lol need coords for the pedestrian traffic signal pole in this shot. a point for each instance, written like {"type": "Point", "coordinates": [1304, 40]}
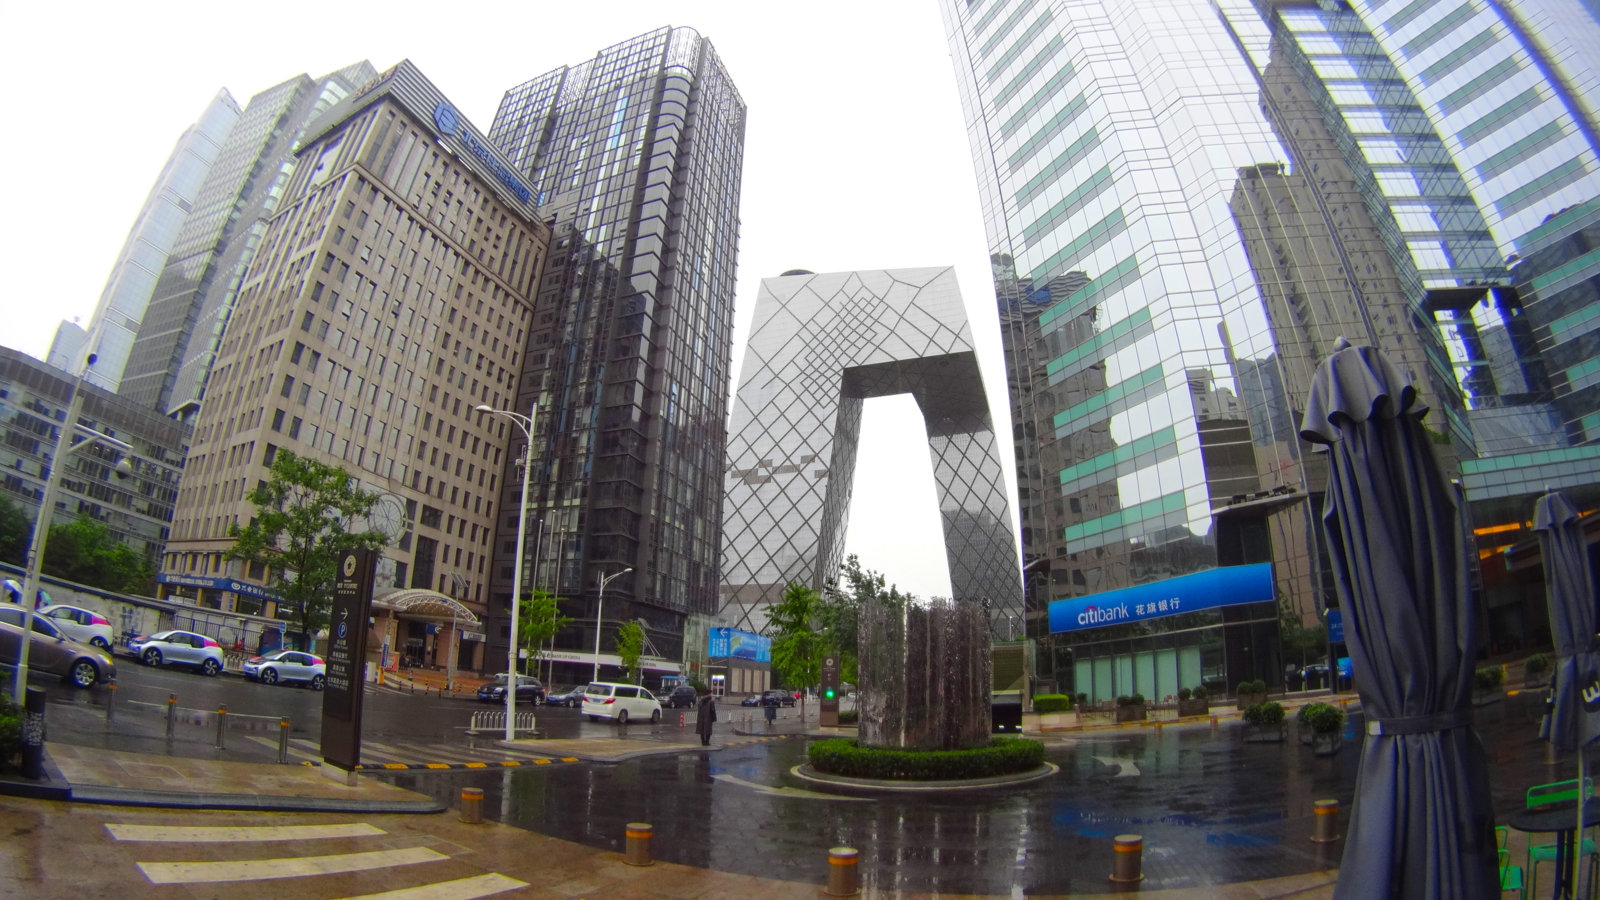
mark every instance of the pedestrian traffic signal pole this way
{"type": "Point", "coordinates": [829, 714]}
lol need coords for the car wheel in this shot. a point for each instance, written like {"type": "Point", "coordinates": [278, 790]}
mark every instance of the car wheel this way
{"type": "Point", "coordinates": [152, 657]}
{"type": "Point", "coordinates": [83, 674]}
{"type": "Point", "coordinates": [101, 642]}
{"type": "Point", "coordinates": [655, 717]}
{"type": "Point", "coordinates": [316, 682]}
{"type": "Point", "coordinates": [622, 717]}
{"type": "Point", "coordinates": [268, 676]}
{"type": "Point", "coordinates": [210, 667]}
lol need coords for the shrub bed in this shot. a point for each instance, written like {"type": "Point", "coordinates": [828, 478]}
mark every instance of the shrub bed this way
{"type": "Point", "coordinates": [1051, 703]}
{"type": "Point", "coordinates": [1003, 756]}
{"type": "Point", "coordinates": [10, 733]}
{"type": "Point", "coordinates": [850, 717]}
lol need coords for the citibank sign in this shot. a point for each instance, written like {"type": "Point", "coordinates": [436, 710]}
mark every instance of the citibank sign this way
{"type": "Point", "coordinates": [448, 121]}
{"type": "Point", "coordinates": [1222, 586]}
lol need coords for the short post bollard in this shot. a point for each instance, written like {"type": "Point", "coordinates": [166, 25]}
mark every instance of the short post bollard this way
{"type": "Point", "coordinates": [1215, 721]}
{"type": "Point", "coordinates": [842, 872]}
{"type": "Point", "coordinates": [637, 847]}
{"type": "Point", "coordinates": [111, 703]}
{"type": "Point", "coordinates": [1128, 859]}
{"type": "Point", "coordinates": [222, 726]}
{"type": "Point", "coordinates": [283, 741]}
{"type": "Point", "coordinates": [1325, 829]}
{"type": "Point", "coordinates": [472, 805]}
{"type": "Point", "coordinates": [33, 704]}
{"type": "Point", "coordinates": [172, 713]}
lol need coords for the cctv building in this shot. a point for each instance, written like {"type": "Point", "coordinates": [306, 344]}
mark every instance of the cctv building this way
{"type": "Point", "coordinates": [1186, 203]}
{"type": "Point", "coordinates": [636, 157]}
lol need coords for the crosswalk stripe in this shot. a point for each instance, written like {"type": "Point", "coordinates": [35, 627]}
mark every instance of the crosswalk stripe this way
{"type": "Point", "coordinates": [239, 833]}
{"type": "Point", "coordinates": [290, 867]}
{"type": "Point", "coordinates": [460, 889]}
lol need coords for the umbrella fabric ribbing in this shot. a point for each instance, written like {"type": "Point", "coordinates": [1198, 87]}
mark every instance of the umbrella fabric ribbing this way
{"type": "Point", "coordinates": [1569, 587]}
{"type": "Point", "coordinates": [1422, 824]}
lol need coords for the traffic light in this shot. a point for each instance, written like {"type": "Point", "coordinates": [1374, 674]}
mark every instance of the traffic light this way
{"type": "Point", "coordinates": [830, 693]}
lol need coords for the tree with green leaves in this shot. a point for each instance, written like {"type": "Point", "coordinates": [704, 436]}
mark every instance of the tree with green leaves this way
{"type": "Point", "coordinates": [300, 531]}
{"type": "Point", "coordinates": [630, 646]}
{"type": "Point", "coordinates": [840, 609]}
{"type": "Point", "coordinates": [16, 532]}
{"type": "Point", "coordinates": [1303, 640]}
{"type": "Point", "coordinates": [85, 551]}
{"type": "Point", "coordinates": [799, 644]}
{"type": "Point", "coordinates": [538, 620]}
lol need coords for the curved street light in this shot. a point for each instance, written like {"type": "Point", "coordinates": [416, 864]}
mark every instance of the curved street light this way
{"type": "Point", "coordinates": [599, 605]}
{"type": "Point", "coordinates": [524, 422]}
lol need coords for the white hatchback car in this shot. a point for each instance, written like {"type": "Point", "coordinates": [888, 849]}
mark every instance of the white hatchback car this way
{"type": "Point", "coordinates": [287, 665]}
{"type": "Point", "coordinates": [82, 625]}
{"type": "Point", "coordinates": [621, 703]}
{"type": "Point", "coordinates": [181, 647]}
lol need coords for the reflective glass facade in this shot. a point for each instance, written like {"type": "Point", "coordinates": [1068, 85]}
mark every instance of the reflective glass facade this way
{"type": "Point", "coordinates": [636, 155]}
{"type": "Point", "coordinates": [819, 346]}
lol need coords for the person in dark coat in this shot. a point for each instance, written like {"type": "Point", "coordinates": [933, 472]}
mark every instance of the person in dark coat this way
{"type": "Point", "coordinates": [704, 716]}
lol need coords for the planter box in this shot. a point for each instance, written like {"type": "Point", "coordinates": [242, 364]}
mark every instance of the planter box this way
{"type": "Point", "coordinates": [1130, 713]}
{"type": "Point", "coordinates": [1304, 732]}
{"type": "Point", "coordinates": [1040, 722]}
{"type": "Point", "coordinates": [1193, 708]}
{"type": "Point", "coordinates": [1244, 701]}
{"type": "Point", "coordinates": [1329, 744]}
{"type": "Point", "coordinates": [1263, 734]}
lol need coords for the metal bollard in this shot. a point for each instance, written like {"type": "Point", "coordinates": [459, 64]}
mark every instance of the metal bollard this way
{"type": "Point", "coordinates": [842, 872]}
{"type": "Point", "coordinates": [1128, 859]}
{"type": "Point", "coordinates": [1214, 722]}
{"type": "Point", "coordinates": [172, 713]}
{"type": "Point", "coordinates": [472, 805]}
{"type": "Point", "coordinates": [638, 844]}
{"type": "Point", "coordinates": [222, 724]}
{"type": "Point", "coordinates": [111, 703]}
{"type": "Point", "coordinates": [1325, 829]}
{"type": "Point", "coordinates": [33, 706]}
{"type": "Point", "coordinates": [283, 741]}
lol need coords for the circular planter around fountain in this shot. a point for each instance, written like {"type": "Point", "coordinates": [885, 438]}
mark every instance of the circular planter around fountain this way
{"type": "Point", "coordinates": [844, 764]}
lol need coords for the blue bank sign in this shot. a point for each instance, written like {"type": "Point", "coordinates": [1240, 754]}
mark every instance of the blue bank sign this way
{"type": "Point", "coordinates": [1225, 586]}
{"type": "Point", "coordinates": [220, 584]}
{"type": "Point", "coordinates": [449, 122]}
{"type": "Point", "coordinates": [726, 643]}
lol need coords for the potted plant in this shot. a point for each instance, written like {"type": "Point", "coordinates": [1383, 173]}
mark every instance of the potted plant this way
{"type": "Point", "coordinates": [1264, 722]}
{"type": "Point", "coordinates": [1302, 727]}
{"type": "Point", "coordinates": [1196, 702]}
{"type": "Point", "coordinates": [1486, 685]}
{"type": "Point", "coordinates": [1250, 693]}
{"type": "Point", "coordinates": [1325, 722]}
{"type": "Point", "coordinates": [1130, 708]}
{"type": "Point", "coordinates": [1535, 669]}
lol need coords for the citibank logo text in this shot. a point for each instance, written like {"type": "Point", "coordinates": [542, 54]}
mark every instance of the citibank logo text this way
{"type": "Point", "coordinates": [1099, 615]}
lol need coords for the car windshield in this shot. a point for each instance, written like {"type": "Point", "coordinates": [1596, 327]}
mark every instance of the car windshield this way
{"type": "Point", "coordinates": [598, 690]}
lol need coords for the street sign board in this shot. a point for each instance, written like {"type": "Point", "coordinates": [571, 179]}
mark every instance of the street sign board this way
{"type": "Point", "coordinates": [346, 659]}
{"type": "Point", "coordinates": [829, 715]}
{"type": "Point", "coordinates": [1335, 627]}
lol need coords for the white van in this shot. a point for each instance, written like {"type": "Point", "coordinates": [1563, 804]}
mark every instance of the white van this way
{"type": "Point", "coordinates": [622, 703]}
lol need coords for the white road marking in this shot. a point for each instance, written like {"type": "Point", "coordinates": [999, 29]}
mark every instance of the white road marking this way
{"type": "Point", "coordinates": [460, 889]}
{"type": "Point", "coordinates": [1126, 768]}
{"type": "Point", "coordinates": [290, 867]}
{"type": "Point", "coordinates": [239, 834]}
{"type": "Point", "coordinates": [796, 793]}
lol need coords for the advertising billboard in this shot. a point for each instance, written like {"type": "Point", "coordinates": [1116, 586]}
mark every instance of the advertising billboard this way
{"type": "Point", "coordinates": [731, 643]}
{"type": "Point", "coordinates": [1222, 586]}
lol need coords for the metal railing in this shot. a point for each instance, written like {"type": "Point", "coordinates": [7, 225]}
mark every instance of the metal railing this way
{"type": "Point", "coordinates": [495, 720]}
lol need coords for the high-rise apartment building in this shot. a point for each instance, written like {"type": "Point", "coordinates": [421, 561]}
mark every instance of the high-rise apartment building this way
{"type": "Point", "coordinates": [636, 156]}
{"type": "Point", "coordinates": [126, 299]}
{"type": "Point", "coordinates": [203, 273]}
{"type": "Point", "coordinates": [391, 294]}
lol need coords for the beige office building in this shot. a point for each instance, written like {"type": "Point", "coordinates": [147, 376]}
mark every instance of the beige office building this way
{"type": "Point", "coordinates": [390, 296]}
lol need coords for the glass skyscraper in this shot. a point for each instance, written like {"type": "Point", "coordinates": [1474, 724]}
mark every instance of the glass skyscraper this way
{"type": "Point", "coordinates": [636, 155]}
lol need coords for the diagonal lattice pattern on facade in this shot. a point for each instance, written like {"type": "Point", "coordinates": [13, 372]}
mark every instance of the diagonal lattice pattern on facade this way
{"type": "Point", "coordinates": [819, 346]}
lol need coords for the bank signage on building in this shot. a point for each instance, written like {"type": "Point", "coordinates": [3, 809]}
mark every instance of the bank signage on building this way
{"type": "Point", "coordinates": [733, 643]}
{"type": "Point", "coordinates": [1223, 586]}
{"type": "Point", "coordinates": [221, 584]}
{"type": "Point", "coordinates": [449, 122]}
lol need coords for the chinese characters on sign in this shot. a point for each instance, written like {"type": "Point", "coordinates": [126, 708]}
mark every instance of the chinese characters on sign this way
{"type": "Point", "coordinates": [346, 658]}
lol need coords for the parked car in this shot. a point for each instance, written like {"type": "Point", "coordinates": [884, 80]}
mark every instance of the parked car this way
{"type": "Point", "coordinates": [1317, 672]}
{"type": "Point", "coordinates": [287, 665]}
{"type": "Point", "coordinates": [621, 703]}
{"type": "Point", "coordinates": [184, 648]}
{"type": "Point", "coordinates": [529, 690]}
{"type": "Point", "coordinates": [778, 698]}
{"type": "Point", "coordinates": [82, 625]}
{"type": "Point", "coordinates": [51, 650]}
{"type": "Point", "coordinates": [570, 697]}
{"type": "Point", "coordinates": [682, 696]}
{"type": "Point", "coordinates": [752, 700]}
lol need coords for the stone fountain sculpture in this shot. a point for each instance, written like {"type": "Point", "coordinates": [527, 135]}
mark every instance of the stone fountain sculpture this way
{"type": "Point", "coordinates": [925, 675]}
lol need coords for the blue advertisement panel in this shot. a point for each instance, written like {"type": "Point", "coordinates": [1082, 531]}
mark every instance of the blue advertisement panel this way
{"type": "Point", "coordinates": [1224, 586]}
{"type": "Point", "coordinates": [731, 642]}
{"type": "Point", "coordinates": [220, 584]}
{"type": "Point", "coordinates": [1335, 626]}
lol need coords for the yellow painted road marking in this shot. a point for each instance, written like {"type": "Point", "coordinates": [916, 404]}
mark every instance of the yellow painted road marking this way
{"type": "Point", "coordinates": [396, 766]}
{"type": "Point", "coordinates": [460, 889]}
{"type": "Point", "coordinates": [546, 762]}
{"type": "Point", "coordinates": [510, 763]}
{"type": "Point", "coordinates": [438, 765]}
{"type": "Point", "coordinates": [575, 759]}
{"type": "Point", "coordinates": [477, 765]}
{"type": "Point", "coordinates": [289, 867]}
{"type": "Point", "coordinates": [236, 834]}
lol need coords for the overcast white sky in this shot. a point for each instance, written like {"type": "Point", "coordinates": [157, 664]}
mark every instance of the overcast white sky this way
{"type": "Point", "coordinates": [855, 156]}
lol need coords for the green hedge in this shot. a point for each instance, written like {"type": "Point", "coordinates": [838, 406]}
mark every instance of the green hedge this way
{"type": "Point", "coordinates": [1051, 703]}
{"type": "Point", "coordinates": [849, 718]}
{"type": "Point", "coordinates": [1489, 678]}
{"type": "Point", "coordinates": [10, 732]}
{"type": "Point", "coordinates": [1268, 713]}
{"type": "Point", "coordinates": [1323, 718]}
{"type": "Point", "coordinates": [1003, 756]}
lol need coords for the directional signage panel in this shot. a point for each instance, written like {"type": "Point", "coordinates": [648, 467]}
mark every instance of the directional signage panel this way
{"type": "Point", "coordinates": [346, 656]}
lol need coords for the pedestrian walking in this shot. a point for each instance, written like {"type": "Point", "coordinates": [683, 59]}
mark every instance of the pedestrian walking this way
{"type": "Point", "coordinates": [705, 716]}
{"type": "Point", "coordinates": [772, 714]}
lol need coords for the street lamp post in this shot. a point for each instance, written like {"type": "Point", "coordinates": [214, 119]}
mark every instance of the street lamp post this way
{"type": "Point", "coordinates": [526, 424]}
{"type": "Point", "coordinates": [600, 603]}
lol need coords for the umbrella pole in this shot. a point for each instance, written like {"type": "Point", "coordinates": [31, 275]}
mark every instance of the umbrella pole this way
{"type": "Point", "coordinates": [1577, 835]}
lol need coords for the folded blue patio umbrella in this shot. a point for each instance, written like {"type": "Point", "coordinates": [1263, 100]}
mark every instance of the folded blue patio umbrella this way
{"type": "Point", "coordinates": [1422, 824]}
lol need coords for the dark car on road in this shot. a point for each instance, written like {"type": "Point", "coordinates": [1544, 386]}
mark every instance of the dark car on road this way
{"type": "Point", "coordinates": [778, 698]}
{"type": "Point", "coordinates": [680, 697]}
{"type": "Point", "coordinates": [570, 697]}
{"type": "Point", "coordinates": [529, 690]}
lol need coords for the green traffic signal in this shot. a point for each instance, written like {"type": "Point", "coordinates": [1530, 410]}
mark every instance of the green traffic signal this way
{"type": "Point", "coordinates": [829, 693]}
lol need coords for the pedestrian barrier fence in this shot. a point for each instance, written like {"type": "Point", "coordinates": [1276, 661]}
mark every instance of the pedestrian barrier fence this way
{"type": "Point", "coordinates": [495, 720]}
